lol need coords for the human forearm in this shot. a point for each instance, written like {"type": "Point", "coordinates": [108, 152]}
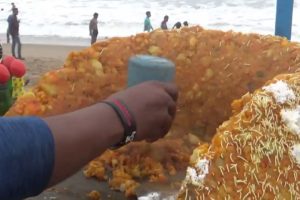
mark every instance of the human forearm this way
{"type": "Point", "coordinates": [36, 153]}
{"type": "Point", "coordinates": [81, 136]}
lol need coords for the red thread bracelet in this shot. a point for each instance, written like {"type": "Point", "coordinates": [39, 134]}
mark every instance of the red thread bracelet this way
{"type": "Point", "coordinates": [127, 120]}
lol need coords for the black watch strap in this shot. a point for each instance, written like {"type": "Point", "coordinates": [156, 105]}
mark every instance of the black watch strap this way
{"type": "Point", "coordinates": [127, 120]}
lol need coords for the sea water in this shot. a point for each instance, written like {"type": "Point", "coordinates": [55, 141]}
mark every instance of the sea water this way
{"type": "Point", "coordinates": [70, 18]}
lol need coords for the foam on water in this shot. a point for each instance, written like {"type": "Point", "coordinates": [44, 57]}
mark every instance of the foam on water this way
{"type": "Point", "coordinates": [125, 17]}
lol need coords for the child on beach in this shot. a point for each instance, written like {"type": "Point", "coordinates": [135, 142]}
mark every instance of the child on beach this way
{"type": "Point", "coordinates": [147, 23]}
{"type": "Point", "coordinates": [177, 25]}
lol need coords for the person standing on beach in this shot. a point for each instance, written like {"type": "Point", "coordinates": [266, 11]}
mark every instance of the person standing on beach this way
{"type": "Point", "coordinates": [8, 28]}
{"type": "Point", "coordinates": [13, 6]}
{"type": "Point", "coordinates": [94, 28]}
{"type": "Point", "coordinates": [1, 52]}
{"type": "Point", "coordinates": [8, 20]}
{"type": "Point", "coordinates": [163, 24]}
{"type": "Point", "coordinates": [14, 23]}
{"type": "Point", "coordinates": [147, 23]}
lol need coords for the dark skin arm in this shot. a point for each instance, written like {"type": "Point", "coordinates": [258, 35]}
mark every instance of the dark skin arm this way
{"type": "Point", "coordinates": [82, 135]}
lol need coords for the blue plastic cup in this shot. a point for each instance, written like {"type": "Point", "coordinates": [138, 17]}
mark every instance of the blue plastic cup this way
{"type": "Point", "coordinates": [143, 68]}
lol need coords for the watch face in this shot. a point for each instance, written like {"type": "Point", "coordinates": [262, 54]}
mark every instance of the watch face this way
{"type": "Point", "coordinates": [130, 138]}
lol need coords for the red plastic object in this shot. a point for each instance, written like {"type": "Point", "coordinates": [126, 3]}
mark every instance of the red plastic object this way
{"type": "Point", "coordinates": [4, 74]}
{"type": "Point", "coordinates": [7, 61]}
{"type": "Point", "coordinates": [17, 68]}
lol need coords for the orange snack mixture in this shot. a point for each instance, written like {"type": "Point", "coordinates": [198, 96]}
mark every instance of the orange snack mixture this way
{"type": "Point", "coordinates": [94, 195]}
{"type": "Point", "coordinates": [141, 161]}
{"type": "Point", "coordinates": [256, 154]}
{"type": "Point", "coordinates": [212, 69]}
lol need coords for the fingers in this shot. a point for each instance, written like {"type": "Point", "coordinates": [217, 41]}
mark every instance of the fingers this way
{"type": "Point", "coordinates": [167, 125]}
{"type": "Point", "coordinates": [162, 129]}
{"type": "Point", "coordinates": [172, 90]}
{"type": "Point", "coordinates": [155, 112]}
{"type": "Point", "coordinates": [172, 109]}
{"type": "Point", "coordinates": [172, 96]}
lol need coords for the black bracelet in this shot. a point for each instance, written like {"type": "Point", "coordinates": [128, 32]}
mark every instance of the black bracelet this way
{"type": "Point", "coordinates": [126, 119]}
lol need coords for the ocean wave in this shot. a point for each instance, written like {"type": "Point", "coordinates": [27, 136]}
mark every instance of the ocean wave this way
{"type": "Point", "coordinates": [70, 18]}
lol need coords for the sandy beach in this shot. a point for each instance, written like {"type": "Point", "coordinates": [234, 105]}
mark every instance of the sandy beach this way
{"type": "Point", "coordinates": [42, 58]}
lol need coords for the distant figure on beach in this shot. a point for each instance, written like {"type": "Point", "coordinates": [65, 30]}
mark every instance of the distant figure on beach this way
{"type": "Point", "coordinates": [94, 28]}
{"type": "Point", "coordinates": [7, 32]}
{"type": "Point", "coordinates": [177, 25]}
{"type": "Point", "coordinates": [147, 23]}
{"type": "Point", "coordinates": [163, 24]}
{"type": "Point", "coordinates": [14, 23]}
{"type": "Point", "coordinates": [1, 52]}
{"type": "Point", "coordinates": [13, 6]}
{"type": "Point", "coordinates": [185, 24]}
